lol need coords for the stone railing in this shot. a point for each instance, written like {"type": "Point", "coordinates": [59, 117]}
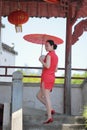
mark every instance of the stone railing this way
{"type": "Point", "coordinates": [84, 92]}
{"type": "Point", "coordinates": [16, 95]}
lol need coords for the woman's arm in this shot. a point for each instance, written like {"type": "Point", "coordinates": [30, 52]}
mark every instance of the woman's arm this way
{"type": "Point", "coordinates": [47, 63]}
{"type": "Point", "coordinates": [56, 68]}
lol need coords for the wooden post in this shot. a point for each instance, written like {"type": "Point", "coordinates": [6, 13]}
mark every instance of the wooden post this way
{"type": "Point", "coordinates": [0, 27]}
{"type": "Point", "coordinates": [17, 112]}
{"type": "Point", "coordinates": [6, 116]}
{"type": "Point", "coordinates": [1, 116]}
{"type": "Point", "coordinates": [67, 83]}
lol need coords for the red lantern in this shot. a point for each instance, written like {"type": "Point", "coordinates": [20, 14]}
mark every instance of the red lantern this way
{"type": "Point", "coordinates": [18, 18]}
{"type": "Point", "coordinates": [52, 1]}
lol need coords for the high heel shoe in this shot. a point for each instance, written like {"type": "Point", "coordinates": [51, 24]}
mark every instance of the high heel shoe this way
{"type": "Point", "coordinates": [52, 112]}
{"type": "Point", "coordinates": [50, 120]}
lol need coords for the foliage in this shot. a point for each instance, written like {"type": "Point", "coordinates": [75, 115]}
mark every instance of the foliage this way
{"type": "Point", "coordinates": [57, 80]}
{"type": "Point", "coordinates": [85, 116]}
{"type": "Point", "coordinates": [78, 81]}
{"type": "Point", "coordinates": [31, 79]}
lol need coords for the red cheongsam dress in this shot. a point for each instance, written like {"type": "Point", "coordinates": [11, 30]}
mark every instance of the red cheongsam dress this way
{"type": "Point", "coordinates": [48, 74]}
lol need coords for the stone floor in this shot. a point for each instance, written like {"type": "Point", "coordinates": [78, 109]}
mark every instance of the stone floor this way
{"type": "Point", "coordinates": [33, 120]}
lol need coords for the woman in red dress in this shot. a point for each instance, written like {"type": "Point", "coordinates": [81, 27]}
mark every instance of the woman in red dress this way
{"type": "Point", "coordinates": [50, 64]}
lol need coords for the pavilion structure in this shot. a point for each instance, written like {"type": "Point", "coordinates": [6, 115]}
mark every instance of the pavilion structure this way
{"type": "Point", "coordinates": [69, 9]}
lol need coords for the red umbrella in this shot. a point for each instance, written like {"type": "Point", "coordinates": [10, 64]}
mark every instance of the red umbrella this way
{"type": "Point", "coordinates": [42, 38]}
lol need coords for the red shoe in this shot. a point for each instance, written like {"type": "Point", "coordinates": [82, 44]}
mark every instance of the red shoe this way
{"type": "Point", "coordinates": [50, 120]}
{"type": "Point", "coordinates": [52, 112]}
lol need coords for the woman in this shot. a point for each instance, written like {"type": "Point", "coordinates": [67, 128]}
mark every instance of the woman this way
{"type": "Point", "coordinates": [50, 63]}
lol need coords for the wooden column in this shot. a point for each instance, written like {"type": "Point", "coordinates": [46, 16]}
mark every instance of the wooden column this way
{"type": "Point", "coordinates": [0, 36]}
{"type": "Point", "coordinates": [67, 83]}
{"type": "Point", "coordinates": [17, 112]}
{"type": "Point", "coordinates": [1, 116]}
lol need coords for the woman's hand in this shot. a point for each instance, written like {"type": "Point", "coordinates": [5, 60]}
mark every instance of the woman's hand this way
{"type": "Point", "coordinates": [47, 62]}
{"type": "Point", "coordinates": [41, 58]}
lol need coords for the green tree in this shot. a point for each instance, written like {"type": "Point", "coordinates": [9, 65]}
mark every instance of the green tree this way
{"type": "Point", "coordinates": [57, 81]}
{"type": "Point", "coordinates": [31, 79]}
{"type": "Point", "coordinates": [78, 81]}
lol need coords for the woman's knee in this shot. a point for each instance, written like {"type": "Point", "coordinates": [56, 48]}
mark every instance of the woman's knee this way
{"type": "Point", "coordinates": [38, 95]}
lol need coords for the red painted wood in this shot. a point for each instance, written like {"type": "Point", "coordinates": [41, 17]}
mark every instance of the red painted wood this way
{"type": "Point", "coordinates": [67, 82]}
{"type": "Point", "coordinates": [40, 8]}
{"type": "Point", "coordinates": [79, 30]}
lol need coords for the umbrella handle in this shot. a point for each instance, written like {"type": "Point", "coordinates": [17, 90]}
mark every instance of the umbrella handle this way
{"type": "Point", "coordinates": [41, 49]}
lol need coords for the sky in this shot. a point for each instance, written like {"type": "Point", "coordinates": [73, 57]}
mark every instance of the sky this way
{"type": "Point", "coordinates": [28, 53]}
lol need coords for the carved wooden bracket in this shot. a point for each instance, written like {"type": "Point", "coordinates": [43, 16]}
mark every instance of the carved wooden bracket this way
{"type": "Point", "coordinates": [78, 30]}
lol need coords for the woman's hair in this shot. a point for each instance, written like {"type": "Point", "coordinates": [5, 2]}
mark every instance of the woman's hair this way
{"type": "Point", "coordinates": [52, 43]}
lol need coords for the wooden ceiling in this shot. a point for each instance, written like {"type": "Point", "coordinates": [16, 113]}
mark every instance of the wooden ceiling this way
{"type": "Point", "coordinates": [40, 8]}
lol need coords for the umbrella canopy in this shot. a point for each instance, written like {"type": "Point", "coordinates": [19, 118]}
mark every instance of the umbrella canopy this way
{"type": "Point", "coordinates": [42, 38]}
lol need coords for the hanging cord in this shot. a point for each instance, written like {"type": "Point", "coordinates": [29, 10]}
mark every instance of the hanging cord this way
{"type": "Point", "coordinates": [19, 6]}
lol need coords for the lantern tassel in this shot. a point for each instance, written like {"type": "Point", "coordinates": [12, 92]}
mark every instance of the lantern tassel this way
{"type": "Point", "coordinates": [18, 28]}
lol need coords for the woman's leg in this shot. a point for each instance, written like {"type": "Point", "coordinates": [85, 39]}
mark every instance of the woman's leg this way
{"type": "Point", "coordinates": [44, 96]}
{"type": "Point", "coordinates": [40, 96]}
{"type": "Point", "coordinates": [48, 103]}
{"type": "Point", "coordinates": [46, 93]}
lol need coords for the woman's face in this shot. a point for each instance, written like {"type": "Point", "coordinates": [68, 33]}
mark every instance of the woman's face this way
{"type": "Point", "coordinates": [48, 47]}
